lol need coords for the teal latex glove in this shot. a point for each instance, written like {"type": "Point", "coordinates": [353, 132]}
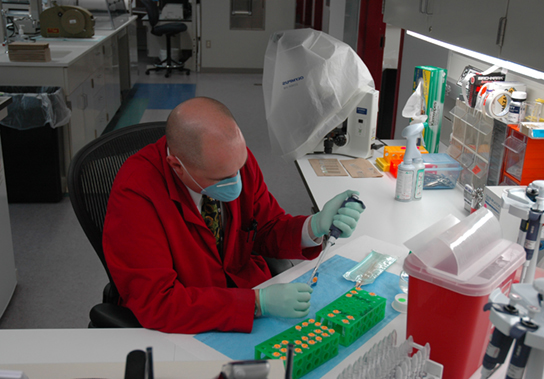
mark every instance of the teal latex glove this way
{"type": "Point", "coordinates": [291, 300]}
{"type": "Point", "coordinates": [344, 218]}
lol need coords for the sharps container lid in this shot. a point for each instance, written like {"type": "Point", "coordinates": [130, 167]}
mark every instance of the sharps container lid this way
{"type": "Point", "coordinates": [469, 257]}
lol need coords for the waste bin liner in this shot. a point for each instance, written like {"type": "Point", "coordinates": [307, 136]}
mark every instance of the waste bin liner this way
{"type": "Point", "coordinates": [32, 144]}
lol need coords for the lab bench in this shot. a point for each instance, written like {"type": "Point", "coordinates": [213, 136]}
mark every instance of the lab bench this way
{"type": "Point", "coordinates": [92, 72]}
{"type": "Point", "coordinates": [384, 218]}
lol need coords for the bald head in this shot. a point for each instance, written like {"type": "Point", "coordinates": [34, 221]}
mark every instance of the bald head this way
{"type": "Point", "coordinates": [198, 127]}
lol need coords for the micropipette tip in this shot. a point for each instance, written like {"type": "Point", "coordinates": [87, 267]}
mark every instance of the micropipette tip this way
{"type": "Point", "coordinates": [313, 279]}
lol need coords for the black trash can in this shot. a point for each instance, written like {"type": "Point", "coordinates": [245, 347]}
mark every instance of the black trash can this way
{"type": "Point", "coordinates": [32, 143]}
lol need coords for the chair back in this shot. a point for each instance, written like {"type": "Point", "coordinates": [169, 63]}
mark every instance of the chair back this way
{"type": "Point", "coordinates": [152, 12]}
{"type": "Point", "coordinates": [93, 170]}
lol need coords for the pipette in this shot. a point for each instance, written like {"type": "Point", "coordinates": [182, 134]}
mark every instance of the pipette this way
{"type": "Point", "coordinates": [334, 233]}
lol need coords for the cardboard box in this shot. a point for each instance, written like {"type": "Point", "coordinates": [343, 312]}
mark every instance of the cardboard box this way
{"type": "Point", "coordinates": [493, 202]}
{"type": "Point", "coordinates": [434, 90]}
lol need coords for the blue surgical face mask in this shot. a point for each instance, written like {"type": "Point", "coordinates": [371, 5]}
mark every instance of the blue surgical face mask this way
{"type": "Point", "coordinates": [225, 190]}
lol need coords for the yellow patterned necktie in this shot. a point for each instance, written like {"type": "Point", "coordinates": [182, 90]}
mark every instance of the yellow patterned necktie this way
{"type": "Point", "coordinates": [211, 212]}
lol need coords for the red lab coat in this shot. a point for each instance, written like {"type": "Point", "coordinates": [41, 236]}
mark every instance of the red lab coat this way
{"type": "Point", "coordinates": [164, 261]}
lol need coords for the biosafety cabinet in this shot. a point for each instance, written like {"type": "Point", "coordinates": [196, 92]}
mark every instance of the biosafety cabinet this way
{"type": "Point", "coordinates": [504, 29]}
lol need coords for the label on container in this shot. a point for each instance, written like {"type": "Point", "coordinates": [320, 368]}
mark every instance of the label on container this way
{"type": "Point", "coordinates": [419, 184]}
{"type": "Point", "coordinates": [515, 372]}
{"type": "Point", "coordinates": [516, 112]}
{"type": "Point", "coordinates": [492, 351]}
{"type": "Point", "coordinates": [405, 185]}
{"type": "Point", "coordinates": [530, 245]}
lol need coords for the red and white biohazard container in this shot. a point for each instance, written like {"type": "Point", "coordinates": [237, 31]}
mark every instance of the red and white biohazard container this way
{"type": "Point", "coordinates": [454, 267]}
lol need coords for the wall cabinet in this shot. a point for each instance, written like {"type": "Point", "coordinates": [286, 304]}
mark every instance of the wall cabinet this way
{"type": "Point", "coordinates": [499, 28]}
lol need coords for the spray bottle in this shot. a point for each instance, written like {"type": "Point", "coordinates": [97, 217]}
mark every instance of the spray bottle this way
{"type": "Point", "coordinates": [411, 171]}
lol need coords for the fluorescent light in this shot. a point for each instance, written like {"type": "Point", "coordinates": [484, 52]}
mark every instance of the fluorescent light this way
{"type": "Point", "coordinates": [486, 58]}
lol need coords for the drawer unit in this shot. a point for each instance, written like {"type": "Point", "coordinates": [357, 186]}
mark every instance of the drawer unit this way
{"type": "Point", "coordinates": [523, 158]}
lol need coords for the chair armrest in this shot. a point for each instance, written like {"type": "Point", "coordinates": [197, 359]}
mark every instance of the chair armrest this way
{"type": "Point", "coordinates": [112, 316]}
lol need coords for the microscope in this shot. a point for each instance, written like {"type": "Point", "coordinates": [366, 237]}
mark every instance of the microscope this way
{"type": "Point", "coordinates": [354, 137]}
{"type": "Point", "coordinates": [518, 319]}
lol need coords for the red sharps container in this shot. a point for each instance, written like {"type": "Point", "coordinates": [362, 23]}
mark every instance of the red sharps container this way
{"type": "Point", "coordinates": [453, 268]}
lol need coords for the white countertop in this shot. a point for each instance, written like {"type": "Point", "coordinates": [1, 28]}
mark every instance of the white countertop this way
{"type": "Point", "coordinates": [384, 218]}
{"type": "Point", "coordinates": [64, 51]}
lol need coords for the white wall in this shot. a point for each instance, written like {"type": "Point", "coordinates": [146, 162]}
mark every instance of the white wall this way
{"type": "Point", "coordinates": [240, 49]}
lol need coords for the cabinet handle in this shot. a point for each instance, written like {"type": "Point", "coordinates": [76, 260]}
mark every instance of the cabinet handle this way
{"type": "Point", "coordinates": [430, 7]}
{"type": "Point", "coordinates": [241, 8]}
{"type": "Point", "coordinates": [426, 6]}
{"type": "Point", "coordinates": [422, 6]}
{"type": "Point", "coordinates": [501, 31]}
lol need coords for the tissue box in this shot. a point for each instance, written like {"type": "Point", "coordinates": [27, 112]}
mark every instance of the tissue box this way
{"type": "Point", "coordinates": [434, 90]}
{"type": "Point", "coordinates": [532, 129]}
{"type": "Point", "coordinates": [441, 171]}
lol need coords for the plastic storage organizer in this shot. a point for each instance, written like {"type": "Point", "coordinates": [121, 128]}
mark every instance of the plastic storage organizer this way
{"type": "Point", "coordinates": [470, 143]}
{"type": "Point", "coordinates": [316, 341]}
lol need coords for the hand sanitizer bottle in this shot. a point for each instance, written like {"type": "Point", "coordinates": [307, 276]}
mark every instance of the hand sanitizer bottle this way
{"type": "Point", "coordinates": [409, 172]}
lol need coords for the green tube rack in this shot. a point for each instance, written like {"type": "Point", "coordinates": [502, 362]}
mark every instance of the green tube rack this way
{"type": "Point", "coordinates": [314, 345]}
{"type": "Point", "coordinates": [316, 341]}
{"type": "Point", "coordinates": [353, 314]}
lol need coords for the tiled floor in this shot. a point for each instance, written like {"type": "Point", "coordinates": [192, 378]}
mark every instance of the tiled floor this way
{"type": "Point", "coordinates": [59, 276]}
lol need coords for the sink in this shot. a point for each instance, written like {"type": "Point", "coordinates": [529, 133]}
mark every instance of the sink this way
{"type": "Point", "coordinates": [59, 54]}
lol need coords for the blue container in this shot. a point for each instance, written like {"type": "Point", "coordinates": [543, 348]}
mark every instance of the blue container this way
{"type": "Point", "coordinates": [441, 171]}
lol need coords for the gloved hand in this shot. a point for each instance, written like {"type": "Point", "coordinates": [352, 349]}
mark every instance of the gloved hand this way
{"type": "Point", "coordinates": [290, 300]}
{"type": "Point", "coordinates": [344, 218]}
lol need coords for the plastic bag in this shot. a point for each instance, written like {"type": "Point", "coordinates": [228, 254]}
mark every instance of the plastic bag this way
{"type": "Point", "coordinates": [33, 107]}
{"type": "Point", "coordinates": [415, 106]}
{"type": "Point", "coordinates": [366, 271]}
{"type": "Point", "coordinates": [311, 83]}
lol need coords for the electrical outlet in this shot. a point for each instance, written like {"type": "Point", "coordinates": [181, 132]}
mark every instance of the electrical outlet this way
{"type": "Point", "coordinates": [208, 44]}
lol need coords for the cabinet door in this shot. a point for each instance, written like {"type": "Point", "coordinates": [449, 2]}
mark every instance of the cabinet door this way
{"type": "Point", "coordinates": [409, 14]}
{"type": "Point", "coordinates": [111, 77]}
{"type": "Point", "coordinates": [471, 24]}
{"type": "Point", "coordinates": [8, 278]}
{"type": "Point", "coordinates": [133, 53]}
{"type": "Point", "coordinates": [522, 41]}
{"type": "Point", "coordinates": [79, 102]}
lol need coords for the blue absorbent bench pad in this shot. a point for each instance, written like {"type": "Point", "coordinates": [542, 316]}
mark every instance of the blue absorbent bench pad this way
{"type": "Point", "coordinates": [331, 285]}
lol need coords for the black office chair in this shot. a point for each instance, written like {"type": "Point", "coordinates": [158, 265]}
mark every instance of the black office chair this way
{"type": "Point", "coordinates": [90, 179]}
{"type": "Point", "coordinates": [169, 29]}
